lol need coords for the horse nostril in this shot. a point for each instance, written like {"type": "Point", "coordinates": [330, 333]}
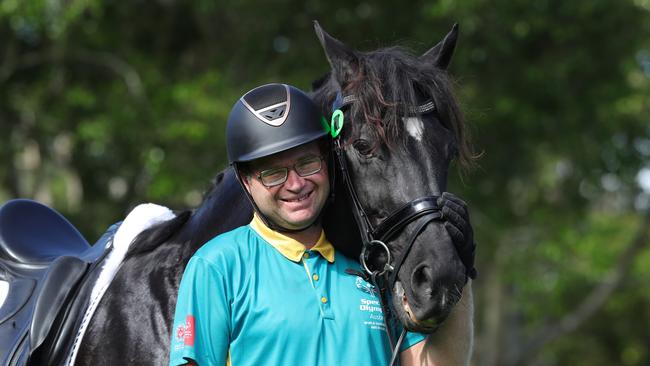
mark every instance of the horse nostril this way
{"type": "Point", "coordinates": [422, 280]}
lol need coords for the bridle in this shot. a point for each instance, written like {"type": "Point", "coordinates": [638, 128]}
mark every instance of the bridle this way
{"type": "Point", "coordinates": [376, 236]}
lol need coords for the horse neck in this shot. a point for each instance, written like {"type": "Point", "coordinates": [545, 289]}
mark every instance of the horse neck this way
{"type": "Point", "coordinates": [225, 208]}
{"type": "Point", "coordinates": [339, 222]}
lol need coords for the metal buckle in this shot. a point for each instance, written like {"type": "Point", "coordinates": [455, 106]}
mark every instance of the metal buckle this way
{"type": "Point", "coordinates": [362, 259]}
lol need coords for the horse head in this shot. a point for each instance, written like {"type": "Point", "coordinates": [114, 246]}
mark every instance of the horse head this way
{"type": "Point", "coordinates": [402, 128]}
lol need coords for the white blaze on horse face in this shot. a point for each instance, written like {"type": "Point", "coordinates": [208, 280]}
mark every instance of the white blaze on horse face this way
{"type": "Point", "coordinates": [414, 126]}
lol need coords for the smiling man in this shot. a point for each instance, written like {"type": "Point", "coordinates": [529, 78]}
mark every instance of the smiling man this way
{"type": "Point", "coordinates": [290, 188]}
{"type": "Point", "coordinates": [276, 292]}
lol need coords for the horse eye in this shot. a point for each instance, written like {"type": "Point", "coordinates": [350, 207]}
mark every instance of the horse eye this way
{"type": "Point", "coordinates": [364, 147]}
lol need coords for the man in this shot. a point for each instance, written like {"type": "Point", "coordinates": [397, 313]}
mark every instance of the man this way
{"type": "Point", "coordinates": [275, 292]}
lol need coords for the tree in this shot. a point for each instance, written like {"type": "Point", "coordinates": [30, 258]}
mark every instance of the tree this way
{"type": "Point", "coordinates": [104, 105]}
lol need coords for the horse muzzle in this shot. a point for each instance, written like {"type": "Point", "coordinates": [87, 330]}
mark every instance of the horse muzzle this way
{"type": "Point", "coordinates": [430, 282]}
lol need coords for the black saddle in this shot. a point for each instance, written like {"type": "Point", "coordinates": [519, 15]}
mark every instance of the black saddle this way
{"type": "Point", "coordinates": [50, 269]}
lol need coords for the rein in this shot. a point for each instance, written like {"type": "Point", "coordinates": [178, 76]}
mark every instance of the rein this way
{"type": "Point", "coordinates": [423, 207]}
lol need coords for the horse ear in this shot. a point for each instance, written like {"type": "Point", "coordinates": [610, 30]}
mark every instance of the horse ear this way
{"type": "Point", "coordinates": [440, 55]}
{"type": "Point", "coordinates": [343, 59]}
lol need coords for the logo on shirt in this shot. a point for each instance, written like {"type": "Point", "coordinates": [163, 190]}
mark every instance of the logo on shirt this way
{"type": "Point", "coordinates": [372, 308]}
{"type": "Point", "coordinates": [185, 332]}
{"type": "Point", "coordinates": [365, 286]}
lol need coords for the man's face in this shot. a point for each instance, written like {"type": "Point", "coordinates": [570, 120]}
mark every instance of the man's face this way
{"type": "Point", "coordinates": [296, 203]}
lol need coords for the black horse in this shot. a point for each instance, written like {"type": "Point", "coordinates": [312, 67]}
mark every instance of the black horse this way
{"type": "Point", "coordinates": [402, 128]}
{"type": "Point", "coordinates": [406, 129]}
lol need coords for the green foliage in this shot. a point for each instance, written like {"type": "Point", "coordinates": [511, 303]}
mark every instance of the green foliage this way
{"type": "Point", "coordinates": [104, 105]}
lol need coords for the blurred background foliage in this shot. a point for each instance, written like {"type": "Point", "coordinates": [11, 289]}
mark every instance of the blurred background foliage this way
{"type": "Point", "coordinates": [104, 105]}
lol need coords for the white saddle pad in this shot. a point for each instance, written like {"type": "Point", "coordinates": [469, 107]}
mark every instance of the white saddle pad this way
{"type": "Point", "coordinates": [139, 219]}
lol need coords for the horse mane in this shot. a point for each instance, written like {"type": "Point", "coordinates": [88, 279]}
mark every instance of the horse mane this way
{"type": "Point", "coordinates": [387, 81]}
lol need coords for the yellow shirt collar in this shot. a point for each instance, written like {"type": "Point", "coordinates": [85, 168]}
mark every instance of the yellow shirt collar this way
{"type": "Point", "coordinates": [290, 248]}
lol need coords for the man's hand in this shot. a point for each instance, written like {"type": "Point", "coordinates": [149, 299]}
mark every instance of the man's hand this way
{"type": "Point", "coordinates": [456, 215]}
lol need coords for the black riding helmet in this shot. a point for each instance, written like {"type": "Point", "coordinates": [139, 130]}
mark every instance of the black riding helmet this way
{"type": "Point", "coordinates": [267, 120]}
{"type": "Point", "coordinates": [270, 119]}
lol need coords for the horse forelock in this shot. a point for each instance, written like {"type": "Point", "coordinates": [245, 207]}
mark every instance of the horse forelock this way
{"type": "Point", "coordinates": [388, 81]}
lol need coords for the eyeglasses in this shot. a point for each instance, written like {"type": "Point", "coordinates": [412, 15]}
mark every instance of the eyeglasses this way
{"type": "Point", "coordinates": [304, 167]}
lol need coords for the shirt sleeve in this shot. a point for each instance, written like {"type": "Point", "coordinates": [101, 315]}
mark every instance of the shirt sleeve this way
{"type": "Point", "coordinates": [201, 328]}
{"type": "Point", "coordinates": [410, 339]}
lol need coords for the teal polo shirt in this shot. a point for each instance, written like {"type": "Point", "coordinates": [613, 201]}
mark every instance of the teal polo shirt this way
{"type": "Point", "coordinates": [253, 296]}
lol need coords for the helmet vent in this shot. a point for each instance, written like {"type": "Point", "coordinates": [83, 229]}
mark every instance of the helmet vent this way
{"type": "Point", "coordinates": [274, 113]}
{"type": "Point", "coordinates": [270, 103]}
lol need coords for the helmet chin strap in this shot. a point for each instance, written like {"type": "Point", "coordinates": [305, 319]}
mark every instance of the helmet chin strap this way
{"type": "Point", "coordinates": [270, 224]}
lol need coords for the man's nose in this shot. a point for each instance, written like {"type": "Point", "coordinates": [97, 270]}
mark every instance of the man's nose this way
{"type": "Point", "coordinates": [294, 181]}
